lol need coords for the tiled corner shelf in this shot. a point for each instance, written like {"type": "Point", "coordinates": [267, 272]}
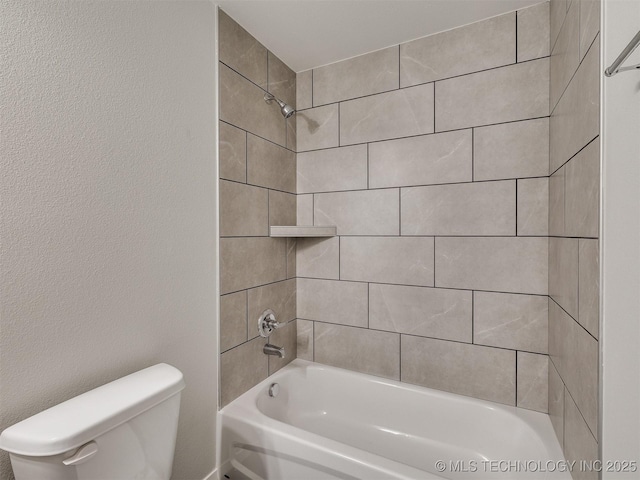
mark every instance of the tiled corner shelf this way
{"type": "Point", "coordinates": [303, 231]}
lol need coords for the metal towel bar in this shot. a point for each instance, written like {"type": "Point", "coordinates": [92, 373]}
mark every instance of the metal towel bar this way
{"type": "Point", "coordinates": [628, 50]}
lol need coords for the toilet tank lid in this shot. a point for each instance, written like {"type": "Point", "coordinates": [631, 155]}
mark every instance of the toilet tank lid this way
{"type": "Point", "coordinates": [81, 419]}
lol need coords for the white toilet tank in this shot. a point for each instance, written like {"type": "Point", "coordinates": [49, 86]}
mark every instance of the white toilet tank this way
{"type": "Point", "coordinates": [123, 430]}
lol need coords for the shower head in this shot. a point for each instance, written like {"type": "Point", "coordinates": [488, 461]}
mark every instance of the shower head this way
{"type": "Point", "coordinates": [286, 110]}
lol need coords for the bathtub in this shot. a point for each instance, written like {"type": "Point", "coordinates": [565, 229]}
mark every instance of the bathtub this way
{"type": "Point", "coordinates": [329, 423]}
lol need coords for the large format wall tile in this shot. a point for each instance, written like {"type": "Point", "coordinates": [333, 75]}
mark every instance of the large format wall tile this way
{"type": "Point", "coordinates": [242, 105]}
{"type": "Point", "coordinates": [556, 401]}
{"type": "Point", "coordinates": [317, 128]}
{"type": "Point", "coordinates": [368, 212]}
{"type": "Point", "coordinates": [367, 74]}
{"type": "Point", "coordinates": [565, 55]}
{"type": "Point", "coordinates": [304, 89]}
{"type": "Point", "coordinates": [519, 322]}
{"type": "Point", "coordinates": [270, 165]}
{"type": "Point", "coordinates": [318, 257]}
{"type": "Point", "coordinates": [244, 210]}
{"type": "Point", "coordinates": [249, 262]}
{"type": "Point", "coordinates": [484, 208]}
{"type": "Point", "coordinates": [429, 312]}
{"type": "Point", "coordinates": [533, 373]}
{"type": "Point", "coordinates": [345, 303]}
{"type": "Point", "coordinates": [533, 206]}
{"type": "Point", "coordinates": [232, 153]}
{"type": "Point", "coordinates": [582, 193]}
{"type": "Point", "coordinates": [423, 160]}
{"type": "Point", "coordinates": [366, 351]}
{"type": "Point", "coordinates": [589, 285]}
{"type": "Point", "coordinates": [563, 273]}
{"type": "Point", "coordinates": [503, 264]}
{"type": "Point", "coordinates": [533, 32]}
{"type": "Point", "coordinates": [575, 354]}
{"type": "Point", "coordinates": [282, 81]}
{"type": "Point", "coordinates": [279, 297]}
{"type": "Point", "coordinates": [400, 113]}
{"type": "Point", "coordinates": [402, 260]}
{"type": "Point", "coordinates": [478, 46]}
{"type": "Point", "coordinates": [579, 443]}
{"type": "Point", "coordinates": [576, 119]}
{"type": "Point", "coordinates": [233, 320]}
{"type": "Point", "coordinates": [239, 50]}
{"type": "Point", "coordinates": [482, 372]}
{"type": "Point", "coordinates": [511, 150]}
{"type": "Point", "coordinates": [241, 368]}
{"type": "Point", "coordinates": [515, 92]}
{"type": "Point", "coordinates": [589, 23]}
{"type": "Point", "coordinates": [333, 169]}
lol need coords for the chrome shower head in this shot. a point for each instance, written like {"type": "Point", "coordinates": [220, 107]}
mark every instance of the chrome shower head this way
{"type": "Point", "coordinates": [285, 109]}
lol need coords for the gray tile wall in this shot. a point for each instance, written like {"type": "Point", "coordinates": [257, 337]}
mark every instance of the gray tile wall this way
{"type": "Point", "coordinates": [257, 189]}
{"type": "Point", "coordinates": [439, 273]}
{"type": "Point", "coordinates": [574, 227]}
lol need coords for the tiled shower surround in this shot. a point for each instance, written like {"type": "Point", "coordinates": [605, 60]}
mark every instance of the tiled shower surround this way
{"type": "Point", "coordinates": [257, 189]}
{"type": "Point", "coordinates": [432, 159]}
{"type": "Point", "coordinates": [460, 263]}
{"type": "Point", "coordinates": [574, 227]}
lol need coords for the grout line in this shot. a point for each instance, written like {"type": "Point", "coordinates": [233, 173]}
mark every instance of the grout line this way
{"type": "Point", "coordinates": [402, 186]}
{"type": "Point", "coordinates": [368, 305]}
{"type": "Point", "coordinates": [516, 389]}
{"type": "Point", "coordinates": [458, 289]}
{"type": "Point", "coordinates": [434, 108]}
{"type": "Point", "coordinates": [258, 136]}
{"type": "Point", "coordinates": [399, 212]}
{"type": "Point", "coordinates": [419, 336]}
{"type": "Point", "coordinates": [399, 66]}
{"type": "Point", "coordinates": [413, 136]}
{"type": "Point", "coordinates": [434, 262]}
{"type": "Point", "coordinates": [256, 186]}
{"type": "Point", "coordinates": [571, 317]}
{"type": "Point", "coordinates": [473, 153]}
{"type": "Point", "coordinates": [313, 340]}
{"type": "Point", "coordinates": [516, 208]}
{"type": "Point", "coordinates": [516, 42]}
{"type": "Point", "coordinates": [430, 81]}
{"type": "Point", "coordinates": [473, 317]}
{"type": "Point", "coordinates": [246, 157]}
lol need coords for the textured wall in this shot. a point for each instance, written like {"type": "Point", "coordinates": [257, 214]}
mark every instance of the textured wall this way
{"type": "Point", "coordinates": [574, 188]}
{"type": "Point", "coordinates": [438, 276]}
{"type": "Point", "coordinates": [257, 189]}
{"type": "Point", "coordinates": [108, 188]}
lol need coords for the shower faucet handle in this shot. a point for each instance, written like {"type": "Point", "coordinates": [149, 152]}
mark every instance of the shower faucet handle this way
{"type": "Point", "coordinates": [267, 323]}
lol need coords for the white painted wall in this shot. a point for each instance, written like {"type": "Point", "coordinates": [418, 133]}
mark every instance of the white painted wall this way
{"type": "Point", "coordinates": [108, 204]}
{"type": "Point", "coordinates": [620, 329]}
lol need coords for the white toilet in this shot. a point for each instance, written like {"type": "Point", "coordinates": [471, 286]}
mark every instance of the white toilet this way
{"type": "Point", "coordinates": [123, 430]}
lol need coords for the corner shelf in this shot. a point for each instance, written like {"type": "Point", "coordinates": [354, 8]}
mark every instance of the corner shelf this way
{"type": "Point", "coordinates": [302, 231]}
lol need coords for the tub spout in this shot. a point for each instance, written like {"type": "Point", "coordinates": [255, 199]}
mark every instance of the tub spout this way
{"type": "Point", "coordinates": [273, 350]}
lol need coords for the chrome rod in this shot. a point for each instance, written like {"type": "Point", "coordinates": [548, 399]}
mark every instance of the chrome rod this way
{"type": "Point", "coordinates": [628, 50]}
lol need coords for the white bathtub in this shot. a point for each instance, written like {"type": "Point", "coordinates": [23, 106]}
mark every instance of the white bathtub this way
{"type": "Point", "coordinates": [329, 423]}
